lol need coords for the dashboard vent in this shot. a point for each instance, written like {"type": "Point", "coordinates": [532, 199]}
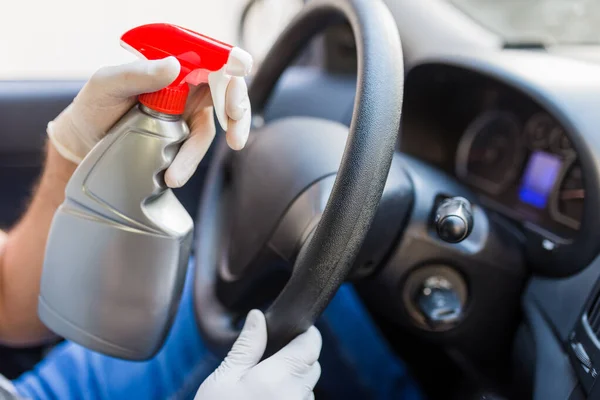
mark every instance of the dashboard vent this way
{"type": "Point", "coordinates": [583, 348]}
{"type": "Point", "coordinates": [593, 315]}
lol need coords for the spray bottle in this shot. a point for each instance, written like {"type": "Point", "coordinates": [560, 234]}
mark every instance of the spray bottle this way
{"type": "Point", "coordinates": [117, 253]}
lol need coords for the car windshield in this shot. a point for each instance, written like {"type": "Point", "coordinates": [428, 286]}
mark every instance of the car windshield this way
{"type": "Point", "coordinates": [545, 21]}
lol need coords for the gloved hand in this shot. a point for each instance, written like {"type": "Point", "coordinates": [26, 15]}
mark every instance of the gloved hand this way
{"type": "Point", "coordinates": [112, 91]}
{"type": "Point", "coordinates": [289, 374]}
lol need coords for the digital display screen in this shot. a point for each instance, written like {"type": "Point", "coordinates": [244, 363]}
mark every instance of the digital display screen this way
{"type": "Point", "coordinates": [540, 174]}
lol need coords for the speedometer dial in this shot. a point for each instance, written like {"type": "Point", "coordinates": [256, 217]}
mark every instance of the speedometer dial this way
{"type": "Point", "coordinates": [490, 153]}
{"type": "Point", "coordinates": [567, 203]}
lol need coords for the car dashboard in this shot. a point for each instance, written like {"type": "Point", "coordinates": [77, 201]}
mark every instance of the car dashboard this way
{"type": "Point", "coordinates": [518, 129]}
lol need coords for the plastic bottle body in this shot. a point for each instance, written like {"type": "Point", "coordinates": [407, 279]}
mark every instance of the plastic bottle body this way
{"type": "Point", "coordinates": [118, 247]}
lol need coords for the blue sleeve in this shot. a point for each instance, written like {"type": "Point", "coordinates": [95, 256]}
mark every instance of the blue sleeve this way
{"type": "Point", "coordinates": [356, 360]}
{"type": "Point", "coordinates": [73, 372]}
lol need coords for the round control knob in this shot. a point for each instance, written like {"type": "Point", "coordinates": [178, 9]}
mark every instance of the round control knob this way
{"type": "Point", "coordinates": [454, 219]}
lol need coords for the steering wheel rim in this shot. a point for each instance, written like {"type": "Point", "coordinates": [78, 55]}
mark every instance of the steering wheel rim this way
{"type": "Point", "coordinates": [324, 262]}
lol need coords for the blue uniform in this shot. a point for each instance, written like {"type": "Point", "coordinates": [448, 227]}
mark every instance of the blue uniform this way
{"type": "Point", "coordinates": [356, 363]}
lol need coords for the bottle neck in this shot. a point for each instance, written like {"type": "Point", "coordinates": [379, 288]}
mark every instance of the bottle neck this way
{"type": "Point", "coordinates": [158, 114]}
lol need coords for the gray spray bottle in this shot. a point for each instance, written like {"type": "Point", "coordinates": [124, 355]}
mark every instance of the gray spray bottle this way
{"type": "Point", "coordinates": [117, 253]}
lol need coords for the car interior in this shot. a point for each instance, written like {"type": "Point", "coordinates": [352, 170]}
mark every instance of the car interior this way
{"type": "Point", "coordinates": [452, 180]}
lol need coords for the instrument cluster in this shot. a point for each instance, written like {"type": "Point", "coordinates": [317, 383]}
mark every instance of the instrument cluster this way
{"type": "Point", "coordinates": [524, 167]}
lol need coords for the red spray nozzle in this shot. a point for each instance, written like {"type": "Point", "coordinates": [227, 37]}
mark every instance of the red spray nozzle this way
{"type": "Point", "coordinates": [202, 59]}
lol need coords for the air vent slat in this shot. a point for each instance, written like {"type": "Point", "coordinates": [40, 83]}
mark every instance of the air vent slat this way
{"type": "Point", "coordinates": [583, 340]}
{"type": "Point", "coordinates": [593, 315]}
{"type": "Point", "coordinates": [593, 312]}
{"type": "Point", "coordinates": [596, 326]}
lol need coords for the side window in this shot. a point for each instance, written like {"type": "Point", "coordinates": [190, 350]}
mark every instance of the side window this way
{"type": "Point", "coordinates": [70, 39]}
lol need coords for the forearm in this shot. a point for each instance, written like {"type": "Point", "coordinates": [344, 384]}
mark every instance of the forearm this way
{"type": "Point", "coordinates": [22, 255]}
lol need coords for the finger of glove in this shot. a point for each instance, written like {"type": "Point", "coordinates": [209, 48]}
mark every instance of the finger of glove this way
{"type": "Point", "coordinates": [310, 381]}
{"type": "Point", "coordinates": [127, 80]}
{"type": "Point", "coordinates": [237, 102]}
{"type": "Point", "coordinates": [312, 377]}
{"type": "Point", "coordinates": [300, 354]}
{"type": "Point", "coordinates": [193, 150]}
{"type": "Point", "coordinates": [273, 379]}
{"type": "Point", "coordinates": [249, 347]}
{"type": "Point", "coordinates": [238, 131]}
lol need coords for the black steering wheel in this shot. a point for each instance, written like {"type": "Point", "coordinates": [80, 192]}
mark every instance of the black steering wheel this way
{"type": "Point", "coordinates": [325, 260]}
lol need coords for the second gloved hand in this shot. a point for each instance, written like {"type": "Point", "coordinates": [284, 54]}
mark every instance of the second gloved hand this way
{"type": "Point", "coordinates": [112, 91]}
{"type": "Point", "coordinates": [289, 374]}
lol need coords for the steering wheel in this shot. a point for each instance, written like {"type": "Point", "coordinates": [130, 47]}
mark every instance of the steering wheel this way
{"type": "Point", "coordinates": [325, 259]}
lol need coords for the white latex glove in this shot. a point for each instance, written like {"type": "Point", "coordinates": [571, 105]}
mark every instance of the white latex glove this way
{"type": "Point", "coordinates": [290, 374]}
{"type": "Point", "coordinates": [112, 91]}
